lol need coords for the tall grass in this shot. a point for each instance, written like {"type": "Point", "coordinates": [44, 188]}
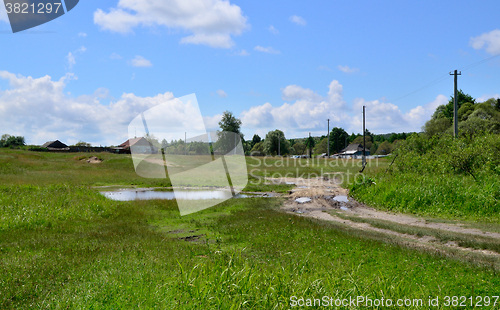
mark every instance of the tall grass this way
{"type": "Point", "coordinates": [30, 206]}
{"type": "Point", "coordinates": [250, 258]}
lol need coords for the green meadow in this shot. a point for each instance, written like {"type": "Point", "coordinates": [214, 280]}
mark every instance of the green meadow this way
{"type": "Point", "coordinates": [65, 246]}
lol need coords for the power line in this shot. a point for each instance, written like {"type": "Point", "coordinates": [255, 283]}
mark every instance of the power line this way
{"type": "Point", "coordinates": [477, 63]}
{"type": "Point", "coordinates": [440, 79]}
{"type": "Point", "coordinates": [446, 76]}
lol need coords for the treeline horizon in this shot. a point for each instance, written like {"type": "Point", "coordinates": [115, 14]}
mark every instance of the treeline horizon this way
{"type": "Point", "coordinates": [473, 117]}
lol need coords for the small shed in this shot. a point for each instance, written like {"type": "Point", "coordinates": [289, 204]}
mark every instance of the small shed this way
{"type": "Point", "coordinates": [354, 150]}
{"type": "Point", "coordinates": [55, 146]}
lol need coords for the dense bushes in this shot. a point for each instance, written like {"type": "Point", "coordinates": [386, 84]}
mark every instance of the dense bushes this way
{"type": "Point", "coordinates": [443, 154]}
{"type": "Point", "coordinates": [11, 141]}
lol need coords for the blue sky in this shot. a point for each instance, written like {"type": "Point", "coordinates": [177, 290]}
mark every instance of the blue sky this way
{"type": "Point", "coordinates": [274, 64]}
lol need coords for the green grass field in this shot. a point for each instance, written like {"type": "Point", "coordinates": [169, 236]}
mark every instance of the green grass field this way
{"type": "Point", "coordinates": [64, 246]}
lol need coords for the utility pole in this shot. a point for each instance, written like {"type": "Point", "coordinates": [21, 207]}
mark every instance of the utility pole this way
{"type": "Point", "coordinates": [279, 138]}
{"type": "Point", "coordinates": [364, 142]}
{"type": "Point", "coordinates": [310, 147]}
{"type": "Point", "coordinates": [328, 150]}
{"type": "Point", "coordinates": [455, 105]}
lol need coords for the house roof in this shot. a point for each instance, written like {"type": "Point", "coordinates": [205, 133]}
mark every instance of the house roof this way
{"type": "Point", "coordinates": [352, 148]}
{"type": "Point", "coordinates": [134, 141]}
{"type": "Point", "coordinates": [54, 144]}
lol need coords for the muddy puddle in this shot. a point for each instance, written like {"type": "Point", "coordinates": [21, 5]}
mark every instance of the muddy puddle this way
{"type": "Point", "coordinates": [148, 194]}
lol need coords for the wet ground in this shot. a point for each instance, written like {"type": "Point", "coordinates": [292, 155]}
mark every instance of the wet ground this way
{"type": "Point", "coordinates": [323, 198]}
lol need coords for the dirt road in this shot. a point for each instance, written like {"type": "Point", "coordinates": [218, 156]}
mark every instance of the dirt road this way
{"type": "Point", "coordinates": [329, 201]}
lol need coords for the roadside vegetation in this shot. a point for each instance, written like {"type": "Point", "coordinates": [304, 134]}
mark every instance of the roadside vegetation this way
{"type": "Point", "coordinates": [435, 174]}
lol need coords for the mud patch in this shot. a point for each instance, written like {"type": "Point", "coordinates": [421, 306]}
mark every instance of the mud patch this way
{"type": "Point", "coordinates": [192, 238]}
{"type": "Point", "coordinates": [93, 160]}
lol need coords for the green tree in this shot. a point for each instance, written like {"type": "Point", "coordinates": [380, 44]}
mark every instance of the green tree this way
{"type": "Point", "coordinates": [436, 126]}
{"type": "Point", "coordinates": [494, 102]}
{"type": "Point", "coordinates": [256, 139]}
{"type": "Point", "coordinates": [321, 147]}
{"type": "Point", "coordinates": [359, 140]}
{"type": "Point", "coordinates": [446, 111]}
{"type": "Point", "coordinates": [11, 141]}
{"type": "Point", "coordinates": [258, 148]}
{"type": "Point", "coordinates": [83, 143]}
{"type": "Point", "coordinates": [300, 148]}
{"type": "Point", "coordinates": [368, 135]}
{"type": "Point", "coordinates": [338, 137]}
{"type": "Point", "coordinates": [393, 138]}
{"type": "Point", "coordinates": [271, 143]}
{"type": "Point", "coordinates": [164, 144]}
{"type": "Point", "coordinates": [230, 123]}
{"type": "Point", "coordinates": [384, 148]}
{"type": "Point", "coordinates": [198, 148]}
{"type": "Point", "coordinates": [4, 139]}
{"type": "Point", "coordinates": [483, 120]}
{"type": "Point", "coordinates": [352, 137]}
{"type": "Point", "coordinates": [310, 143]}
{"type": "Point", "coordinates": [465, 110]}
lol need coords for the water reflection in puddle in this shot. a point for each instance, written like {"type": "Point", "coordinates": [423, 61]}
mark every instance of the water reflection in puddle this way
{"type": "Point", "coordinates": [127, 195]}
{"type": "Point", "coordinates": [341, 198]}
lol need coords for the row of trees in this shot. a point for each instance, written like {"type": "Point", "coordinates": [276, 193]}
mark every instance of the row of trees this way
{"type": "Point", "coordinates": [339, 139]}
{"type": "Point", "coordinates": [376, 144]}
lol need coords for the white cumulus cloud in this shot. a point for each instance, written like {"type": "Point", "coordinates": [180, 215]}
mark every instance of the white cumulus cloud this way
{"type": "Point", "coordinates": [115, 56]}
{"type": "Point", "coordinates": [387, 117]}
{"type": "Point", "coordinates": [211, 22]}
{"type": "Point", "coordinates": [41, 110]}
{"type": "Point", "coordinates": [485, 97]}
{"type": "Point", "coordinates": [82, 49]}
{"type": "Point", "coordinates": [242, 53]}
{"type": "Point", "coordinates": [221, 93]}
{"type": "Point", "coordinates": [347, 69]}
{"type": "Point", "coordinates": [308, 113]}
{"type": "Point", "coordinates": [71, 60]}
{"type": "Point", "coordinates": [82, 34]}
{"type": "Point", "coordinates": [268, 49]}
{"type": "Point", "coordinates": [273, 30]}
{"type": "Point", "coordinates": [490, 41]}
{"type": "Point", "coordinates": [139, 61]}
{"type": "Point", "coordinates": [212, 122]}
{"type": "Point", "coordinates": [295, 92]}
{"type": "Point", "coordinates": [298, 20]}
